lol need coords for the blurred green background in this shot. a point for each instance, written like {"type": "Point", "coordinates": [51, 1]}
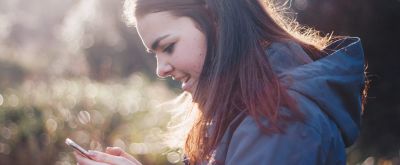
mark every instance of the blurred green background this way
{"type": "Point", "coordinates": [72, 68]}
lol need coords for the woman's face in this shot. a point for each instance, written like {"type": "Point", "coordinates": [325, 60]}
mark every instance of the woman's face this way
{"type": "Point", "coordinates": [179, 46]}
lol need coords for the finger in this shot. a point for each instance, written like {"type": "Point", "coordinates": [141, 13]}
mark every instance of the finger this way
{"type": "Point", "coordinates": [107, 158]}
{"type": "Point", "coordinates": [114, 151]}
{"type": "Point", "coordinates": [117, 151]}
{"type": "Point", "coordinates": [81, 160]}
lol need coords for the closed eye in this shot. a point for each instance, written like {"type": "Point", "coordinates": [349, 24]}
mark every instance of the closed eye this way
{"type": "Point", "coordinates": [170, 48]}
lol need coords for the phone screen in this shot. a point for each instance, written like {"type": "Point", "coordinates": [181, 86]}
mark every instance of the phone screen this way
{"type": "Point", "coordinates": [77, 147]}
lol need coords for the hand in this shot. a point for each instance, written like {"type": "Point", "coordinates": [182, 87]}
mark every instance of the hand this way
{"type": "Point", "coordinates": [116, 151]}
{"type": "Point", "coordinates": [113, 155]}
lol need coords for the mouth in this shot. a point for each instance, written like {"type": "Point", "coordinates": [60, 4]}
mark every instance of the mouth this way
{"type": "Point", "coordinates": [183, 79]}
{"type": "Point", "coordinates": [187, 83]}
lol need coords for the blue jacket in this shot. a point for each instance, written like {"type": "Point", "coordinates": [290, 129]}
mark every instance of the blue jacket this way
{"type": "Point", "coordinates": [327, 92]}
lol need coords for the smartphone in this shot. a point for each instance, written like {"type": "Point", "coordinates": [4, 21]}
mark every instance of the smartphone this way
{"type": "Point", "coordinates": [77, 147]}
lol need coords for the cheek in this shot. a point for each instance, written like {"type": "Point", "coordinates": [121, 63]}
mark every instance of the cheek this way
{"type": "Point", "coordinates": [198, 55]}
{"type": "Point", "coordinates": [200, 60]}
{"type": "Point", "coordinates": [202, 54]}
{"type": "Point", "coordinates": [192, 52]}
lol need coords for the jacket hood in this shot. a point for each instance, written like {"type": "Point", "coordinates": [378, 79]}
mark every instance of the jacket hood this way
{"type": "Point", "coordinates": [333, 82]}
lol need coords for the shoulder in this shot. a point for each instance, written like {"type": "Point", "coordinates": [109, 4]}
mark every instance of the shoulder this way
{"type": "Point", "coordinates": [301, 143]}
{"type": "Point", "coordinates": [318, 134]}
{"type": "Point", "coordinates": [314, 126]}
{"type": "Point", "coordinates": [250, 145]}
{"type": "Point", "coordinates": [284, 56]}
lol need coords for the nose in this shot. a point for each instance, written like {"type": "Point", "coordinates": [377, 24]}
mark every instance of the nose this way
{"type": "Point", "coordinates": [164, 69]}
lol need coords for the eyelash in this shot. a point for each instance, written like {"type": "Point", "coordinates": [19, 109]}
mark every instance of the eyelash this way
{"type": "Point", "coordinates": [170, 48]}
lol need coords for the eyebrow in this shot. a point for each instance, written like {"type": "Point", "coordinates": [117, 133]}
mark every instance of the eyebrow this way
{"type": "Point", "coordinates": [156, 42]}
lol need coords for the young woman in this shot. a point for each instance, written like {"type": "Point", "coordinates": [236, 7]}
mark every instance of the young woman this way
{"type": "Point", "coordinates": [268, 91]}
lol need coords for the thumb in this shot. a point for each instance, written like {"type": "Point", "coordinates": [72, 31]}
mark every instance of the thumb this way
{"type": "Point", "coordinates": [114, 151]}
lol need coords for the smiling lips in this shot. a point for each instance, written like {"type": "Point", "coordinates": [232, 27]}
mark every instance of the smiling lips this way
{"type": "Point", "coordinates": [186, 83]}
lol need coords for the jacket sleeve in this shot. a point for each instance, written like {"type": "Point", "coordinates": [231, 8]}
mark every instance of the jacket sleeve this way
{"type": "Point", "coordinates": [300, 144]}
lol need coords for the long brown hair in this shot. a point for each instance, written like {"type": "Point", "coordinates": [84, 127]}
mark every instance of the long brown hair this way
{"type": "Point", "coordinates": [237, 77]}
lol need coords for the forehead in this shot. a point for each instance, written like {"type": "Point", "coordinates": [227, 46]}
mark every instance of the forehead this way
{"type": "Point", "coordinates": [154, 25]}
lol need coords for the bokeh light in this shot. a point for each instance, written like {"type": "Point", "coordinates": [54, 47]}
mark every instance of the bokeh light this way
{"type": "Point", "coordinates": [301, 4]}
{"type": "Point", "coordinates": [173, 157]}
{"type": "Point", "coordinates": [13, 100]}
{"type": "Point", "coordinates": [51, 125]}
{"type": "Point", "coordinates": [82, 137]}
{"type": "Point", "coordinates": [84, 117]}
{"type": "Point", "coordinates": [4, 148]}
{"type": "Point", "coordinates": [1, 99]}
{"type": "Point", "coordinates": [6, 132]}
